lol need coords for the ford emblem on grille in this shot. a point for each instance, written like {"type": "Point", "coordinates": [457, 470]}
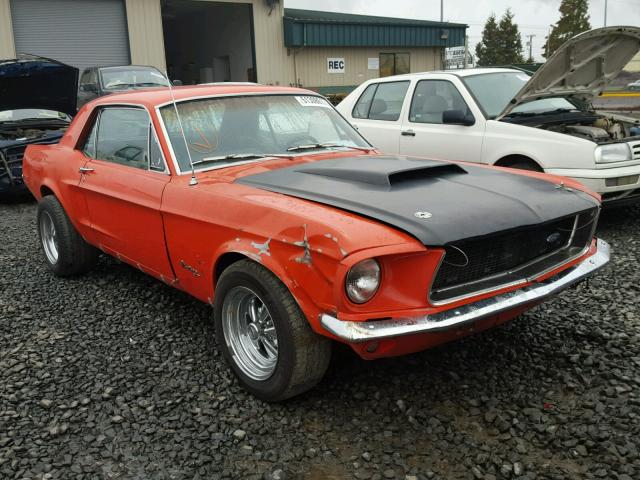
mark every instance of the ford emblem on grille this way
{"type": "Point", "coordinates": [554, 237]}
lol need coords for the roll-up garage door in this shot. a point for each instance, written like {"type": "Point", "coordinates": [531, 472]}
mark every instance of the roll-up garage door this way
{"type": "Point", "coordinates": [81, 33]}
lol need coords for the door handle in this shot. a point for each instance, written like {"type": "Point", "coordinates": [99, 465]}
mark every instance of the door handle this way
{"type": "Point", "coordinates": [408, 133]}
{"type": "Point", "coordinates": [86, 170]}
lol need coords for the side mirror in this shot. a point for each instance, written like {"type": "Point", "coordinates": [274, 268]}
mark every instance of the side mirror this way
{"type": "Point", "coordinates": [176, 83]}
{"type": "Point", "coordinates": [457, 117]}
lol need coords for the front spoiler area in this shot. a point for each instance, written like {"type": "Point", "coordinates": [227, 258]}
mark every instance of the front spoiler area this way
{"type": "Point", "coordinates": [358, 332]}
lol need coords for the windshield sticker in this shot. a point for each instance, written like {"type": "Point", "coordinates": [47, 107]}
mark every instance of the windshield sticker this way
{"type": "Point", "coordinates": [308, 101]}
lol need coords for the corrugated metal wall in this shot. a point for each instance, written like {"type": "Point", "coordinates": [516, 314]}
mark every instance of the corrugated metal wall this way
{"type": "Point", "coordinates": [311, 64]}
{"type": "Point", "coordinates": [7, 47]}
{"type": "Point", "coordinates": [328, 34]}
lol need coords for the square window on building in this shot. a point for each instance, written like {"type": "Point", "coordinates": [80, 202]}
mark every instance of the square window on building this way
{"type": "Point", "coordinates": [394, 64]}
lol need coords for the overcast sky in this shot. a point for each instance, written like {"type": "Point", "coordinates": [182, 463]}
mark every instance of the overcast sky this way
{"type": "Point", "coordinates": [532, 16]}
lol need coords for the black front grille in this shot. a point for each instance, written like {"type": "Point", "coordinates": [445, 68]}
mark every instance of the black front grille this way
{"type": "Point", "coordinates": [11, 164]}
{"type": "Point", "coordinates": [477, 264]}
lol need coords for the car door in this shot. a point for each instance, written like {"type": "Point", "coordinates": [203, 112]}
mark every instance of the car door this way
{"type": "Point", "coordinates": [377, 114]}
{"type": "Point", "coordinates": [123, 182]}
{"type": "Point", "coordinates": [425, 127]}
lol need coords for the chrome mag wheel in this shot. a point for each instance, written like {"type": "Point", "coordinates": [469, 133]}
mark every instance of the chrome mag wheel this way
{"type": "Point", "coordinates": [250, 333]}
{"type": "Point", "coordinates": [48, 237]}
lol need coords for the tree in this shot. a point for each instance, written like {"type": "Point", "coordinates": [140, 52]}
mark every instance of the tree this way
{"type": "Point", "coordinates": [510, 40]}
{"type": "Point", "coordinates": [487, 49]}
{"type": "Point", "coordinates": [574, 19]}
{"type": "Point", "coordinates": [501, 43]}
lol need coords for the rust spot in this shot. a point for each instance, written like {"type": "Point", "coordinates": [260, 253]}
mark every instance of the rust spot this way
{"type": "Point", "coordinates": [263, 248]}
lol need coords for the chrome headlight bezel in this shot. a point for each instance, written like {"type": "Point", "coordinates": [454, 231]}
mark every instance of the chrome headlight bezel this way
{"type": "Point", "coordinates": [363, 281]}
{"type": "Point", "coordinates": [613, 153]}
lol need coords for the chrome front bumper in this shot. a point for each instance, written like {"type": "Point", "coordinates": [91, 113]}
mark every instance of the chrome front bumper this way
{"type": "Point", "coordinates": [357, 332]}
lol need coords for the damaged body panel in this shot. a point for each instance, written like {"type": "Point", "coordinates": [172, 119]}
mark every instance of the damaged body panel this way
{"type": "Point", "coordinates": [265, 203]}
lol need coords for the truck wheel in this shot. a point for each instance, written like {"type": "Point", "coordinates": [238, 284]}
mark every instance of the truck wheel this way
{"type": "Point", "coordinates": [65, 251]}
{"type": "Point", "coordinates": [264, 336]}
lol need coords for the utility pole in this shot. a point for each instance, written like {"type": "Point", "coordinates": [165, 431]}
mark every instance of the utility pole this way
{"type": "Point", "coordinates": [605, 12]}
{"type": "Point", "coordinates": [530, 43]}
{"type": "Point", "coordinates": [442, 12]}
{"type": "Point", "coordinates": [466, 50]}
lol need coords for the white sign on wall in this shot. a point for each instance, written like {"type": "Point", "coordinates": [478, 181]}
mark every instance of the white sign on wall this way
{"type": "Point", "coordinates": [335, 65]}
{"type": "Point", "coordinates": [373, 63]}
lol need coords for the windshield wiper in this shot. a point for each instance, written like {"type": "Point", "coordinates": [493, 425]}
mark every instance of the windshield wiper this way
{"type": "Point", "coordinates": [315, 146]}
{"type": "Point", "coordinates": [238, 156]}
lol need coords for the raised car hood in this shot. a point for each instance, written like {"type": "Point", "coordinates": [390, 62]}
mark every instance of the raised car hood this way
{"type": "Point", "coordinates": [40, 83]}
{"type": "Point", "coordinates": [582, 67]}
{"type": "Point", "coordinates": [436, 202]}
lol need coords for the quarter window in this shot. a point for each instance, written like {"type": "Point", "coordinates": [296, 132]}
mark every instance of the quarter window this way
{"type": "Point", "coordinates": [381, 101]}
{"type": "Point", "coordinates": [89, 148]}
{"type": "Point", "coordinates": [123, 137]}
{"type": "Point", "coordinates": [431, 98]}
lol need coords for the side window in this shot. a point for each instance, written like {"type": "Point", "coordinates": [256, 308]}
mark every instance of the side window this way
{"type": "Point", "coordinates": [387, 101]}
{"type": "Point", "coordinates": [431, 98]}
{"type": "Point", "coordinates": [88, 78]}
{"type": "Point", "coordinates": [361, 109]}
{"type": "Point", "coordinates": [89, 148]}
{"type": "Point", "coordinates": [123, 137]}
{"type": "Point", "coordinates": [156, 160]}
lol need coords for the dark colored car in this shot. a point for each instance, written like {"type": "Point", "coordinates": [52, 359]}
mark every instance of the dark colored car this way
{"type": "Point", "coordinates": [37, 101]}
{"type": "Point", "coordinates": [98, 81]}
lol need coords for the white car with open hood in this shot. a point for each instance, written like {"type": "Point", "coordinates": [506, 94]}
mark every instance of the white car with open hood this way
{"type": "Point", "coordinates": [504, 117]}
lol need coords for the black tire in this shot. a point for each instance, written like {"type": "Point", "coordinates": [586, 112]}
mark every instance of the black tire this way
{"type": "Point", "coordinates": [303, 356]}
{"type": "Point", "coordinates": [74, 255]}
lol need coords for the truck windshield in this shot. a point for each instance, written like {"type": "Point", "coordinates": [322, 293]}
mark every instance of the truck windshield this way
{"type": "Point", "coordinates": [114, 79]}
{"type": "Point", "coordinates": [224, 130]}
{"type": "Point", "coordinates": [493, 91]}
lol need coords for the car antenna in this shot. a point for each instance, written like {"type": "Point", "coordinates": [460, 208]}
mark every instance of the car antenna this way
{"type": "Point", "coordinates": [193, 180]}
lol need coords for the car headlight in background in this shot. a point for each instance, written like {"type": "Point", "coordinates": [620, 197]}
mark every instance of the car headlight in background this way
{"type": "Point", "coordinates": [614, 152]}
{"type": "Point", "coordinates": [363, 280]}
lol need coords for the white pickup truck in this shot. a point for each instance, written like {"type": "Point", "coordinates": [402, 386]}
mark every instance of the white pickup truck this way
{"type": "Point", "coordinates": [504, 117]}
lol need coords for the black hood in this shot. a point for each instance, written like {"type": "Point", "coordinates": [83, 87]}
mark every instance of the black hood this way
{"type": "Point", "coordinates": [436, 202]}
{"type": "Point", "coordinates": [40, 83]}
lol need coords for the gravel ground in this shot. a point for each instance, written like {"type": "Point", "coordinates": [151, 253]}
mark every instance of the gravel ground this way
{"type": "Point", "coordinates": [111, 376]}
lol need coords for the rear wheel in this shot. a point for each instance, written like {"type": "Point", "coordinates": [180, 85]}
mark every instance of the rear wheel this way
{"type": "Point", "coordinates": [264, 336]}
{"type": "Point", "coordinates": [65, 251]}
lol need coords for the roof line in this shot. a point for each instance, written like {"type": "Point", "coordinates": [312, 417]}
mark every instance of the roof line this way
{"type": "Point", "coordinates": [318, 16]}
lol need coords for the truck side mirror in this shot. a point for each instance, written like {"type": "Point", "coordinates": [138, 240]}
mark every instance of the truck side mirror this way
{"type": "Point", "coordinates": [457, 117]}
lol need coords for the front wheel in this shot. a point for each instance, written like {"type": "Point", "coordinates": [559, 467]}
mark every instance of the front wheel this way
{"type": "Point", "coordinates": [65, 251]}
{"type": "Point", "coordinates": [264, 336]}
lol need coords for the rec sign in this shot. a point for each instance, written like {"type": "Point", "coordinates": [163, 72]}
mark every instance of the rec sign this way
{"type": "Point", "coordinates": [335, 65]}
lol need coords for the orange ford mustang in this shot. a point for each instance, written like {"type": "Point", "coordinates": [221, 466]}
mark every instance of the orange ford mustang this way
{"type": "Point", "coordinates": [267, 204]}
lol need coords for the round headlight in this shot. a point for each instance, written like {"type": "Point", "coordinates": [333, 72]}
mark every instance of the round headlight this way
{"type": "Point", "coordinates": [614, 152]}
{"type": "Point", "coordinates": [363, 281]}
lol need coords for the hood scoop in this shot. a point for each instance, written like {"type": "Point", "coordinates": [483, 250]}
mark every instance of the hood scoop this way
{"type": "Point", "coordinates": [382, 171]}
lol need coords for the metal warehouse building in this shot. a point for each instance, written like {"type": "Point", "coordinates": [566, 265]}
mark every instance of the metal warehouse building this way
{"type": "Point", "coordinates": [200, 41]}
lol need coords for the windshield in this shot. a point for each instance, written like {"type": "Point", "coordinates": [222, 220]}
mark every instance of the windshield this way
{"type": "Point", "coordinates": [494, 91]}
{"type": "Point", "coordinates": [217, 129]}
{"type": "Point", "coordinates": [31, 114]}
{"type": "Point", "coordinates": [118, 79]}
